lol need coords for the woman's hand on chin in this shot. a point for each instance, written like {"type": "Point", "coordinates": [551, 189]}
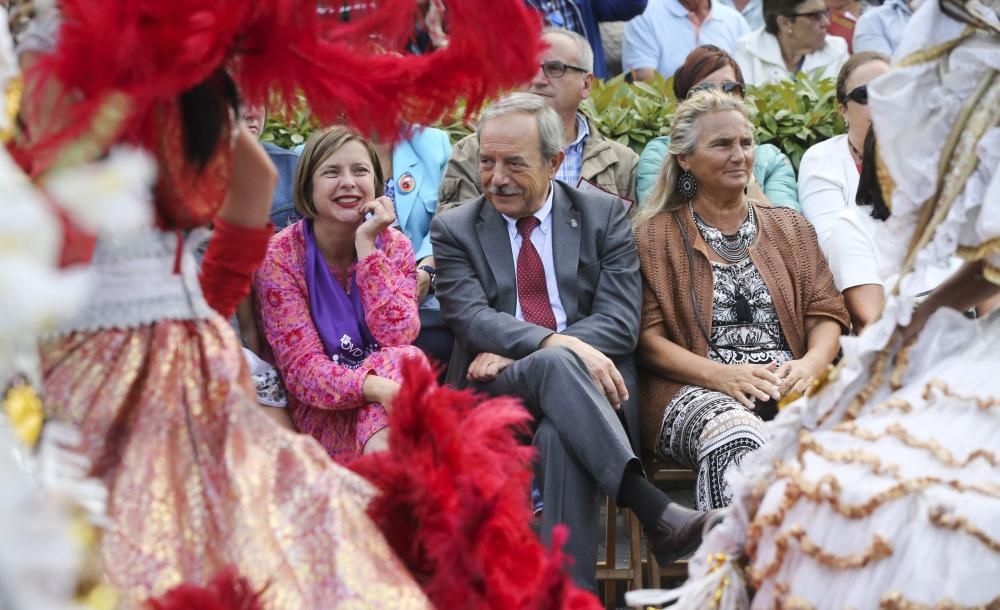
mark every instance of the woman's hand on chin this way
{"type": "Point", "coordinates": [748, 383]}
{"type": "Point", "coordinates": [383, 214]}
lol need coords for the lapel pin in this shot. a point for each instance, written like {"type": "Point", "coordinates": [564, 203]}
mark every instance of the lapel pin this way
{"type": "Point", "coordinates": [407, 183]}
{"type": "Point", "coordinates": [572, 222]}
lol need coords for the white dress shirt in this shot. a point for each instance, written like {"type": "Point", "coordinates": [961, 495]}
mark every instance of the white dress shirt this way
{"type": "Point", "coordinates": [541, 237]}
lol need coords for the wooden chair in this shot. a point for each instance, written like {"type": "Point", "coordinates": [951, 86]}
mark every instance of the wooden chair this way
{"type": "Point", "coordinates": [608, 571]}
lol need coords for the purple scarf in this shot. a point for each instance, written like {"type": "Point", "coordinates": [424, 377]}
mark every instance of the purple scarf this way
{"type": "Point", "coordinates": [339, 317]}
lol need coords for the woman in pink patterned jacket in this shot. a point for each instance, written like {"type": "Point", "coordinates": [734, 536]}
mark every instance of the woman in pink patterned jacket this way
{"type": "Point", "coordinates": [337, 295]}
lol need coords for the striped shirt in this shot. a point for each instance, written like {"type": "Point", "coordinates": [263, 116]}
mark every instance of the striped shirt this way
{"type": "Point", "coordinates": [572, 165]}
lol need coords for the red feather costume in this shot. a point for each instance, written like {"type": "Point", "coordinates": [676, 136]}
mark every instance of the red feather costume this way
{"type": "Point", "coordinates": [454, 503]}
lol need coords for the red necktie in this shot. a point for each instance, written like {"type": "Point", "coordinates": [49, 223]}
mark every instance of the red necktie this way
{"type": "Point", "coordinates": [531, 290]}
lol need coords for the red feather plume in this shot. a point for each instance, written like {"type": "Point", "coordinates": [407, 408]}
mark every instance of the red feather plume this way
{"type": "Point", "coordinates": [454, 504]}
{"type": "Point", "coordinates": [227, 591]}
{"type": "Point", "coordinates": [153, 50]}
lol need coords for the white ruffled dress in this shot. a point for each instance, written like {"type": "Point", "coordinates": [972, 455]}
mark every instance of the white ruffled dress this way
{"type": "Point", "coordinates": [883, 490]}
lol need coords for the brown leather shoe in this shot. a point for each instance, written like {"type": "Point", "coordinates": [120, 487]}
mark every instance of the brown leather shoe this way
{"type": "Point", "coordinates": [678, 532]}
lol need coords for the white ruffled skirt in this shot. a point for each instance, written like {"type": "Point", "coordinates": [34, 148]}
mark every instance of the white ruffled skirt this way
{"type": "Point", "coordinates": [900, 505]}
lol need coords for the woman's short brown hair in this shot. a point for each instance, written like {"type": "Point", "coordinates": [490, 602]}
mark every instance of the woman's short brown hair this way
{"type": "Point", "coordinates": [318, 149]}
{"type": "Point", "coordinates": [701, 62]}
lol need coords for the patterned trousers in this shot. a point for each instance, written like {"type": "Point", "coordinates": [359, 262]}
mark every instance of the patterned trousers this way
{"type": "Point", "coordinates": [708, 431]}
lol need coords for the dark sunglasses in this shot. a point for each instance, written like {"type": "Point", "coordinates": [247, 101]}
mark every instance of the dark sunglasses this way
{"type": "Point", "coordinates": [730, 86]}
{"type": "Point", "coordinates": [819, 15]}
{"type": "Point", "coordinates": [557, 69]}
{"type": "Point", "coordinates": [858, 95]}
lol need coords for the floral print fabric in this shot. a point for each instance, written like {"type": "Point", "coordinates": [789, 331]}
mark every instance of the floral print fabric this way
{"type": "Point", "coordinates": [326, 399]}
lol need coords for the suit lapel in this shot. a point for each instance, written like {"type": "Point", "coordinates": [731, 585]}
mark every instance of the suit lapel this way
{"type": "Point", "coordinates": [566, 249]}
{"type": "Point", "coordinates": [405, 160]}
{"type": "Point", "coordinates": [495, 240]}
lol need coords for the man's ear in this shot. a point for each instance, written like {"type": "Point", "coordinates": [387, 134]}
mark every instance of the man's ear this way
{"type": "Point", "coordinates": [588, 85]}
{"type": "Point", "coordinates": [554, 164]}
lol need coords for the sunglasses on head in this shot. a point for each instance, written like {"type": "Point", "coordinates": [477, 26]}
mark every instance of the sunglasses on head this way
{"type": "Point", "coordinates": [557, 69]}
{"type": "Point", "coordinates": [858, 95]}
{"type": "Point", "coordinates": [731, 87]}
{"type": "Point", "coordinates": [819, 15]}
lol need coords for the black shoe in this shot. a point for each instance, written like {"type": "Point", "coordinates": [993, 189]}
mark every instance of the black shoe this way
{"type": "Point", "coordinates": [678, 532]}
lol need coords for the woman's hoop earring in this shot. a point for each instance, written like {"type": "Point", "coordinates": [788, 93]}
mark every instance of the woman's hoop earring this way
{"type": "Point", "coordinates": [687, 185]}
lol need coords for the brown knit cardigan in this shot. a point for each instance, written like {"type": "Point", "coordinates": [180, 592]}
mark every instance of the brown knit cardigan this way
{"type": "Point", "coordinates": [785, 252]}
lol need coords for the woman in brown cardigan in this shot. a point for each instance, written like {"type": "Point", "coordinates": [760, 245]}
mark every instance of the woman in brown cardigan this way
{"type": "Point", "coordinates": [739, 306]}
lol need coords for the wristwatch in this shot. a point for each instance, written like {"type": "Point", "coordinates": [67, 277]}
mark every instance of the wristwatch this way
{"type": "Point", "coordinates": [430, 271]}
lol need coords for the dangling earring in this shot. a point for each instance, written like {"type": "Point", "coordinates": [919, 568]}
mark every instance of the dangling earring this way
{"type": "Point", "coordinates": [687, 185]}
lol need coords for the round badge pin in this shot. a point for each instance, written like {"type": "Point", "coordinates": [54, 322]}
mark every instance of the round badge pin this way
{"type": "Point", "coordinates": [407, 183]}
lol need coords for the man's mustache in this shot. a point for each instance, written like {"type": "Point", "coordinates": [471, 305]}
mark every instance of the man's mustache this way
{"type": "Point", "coordinates": [504, 190]}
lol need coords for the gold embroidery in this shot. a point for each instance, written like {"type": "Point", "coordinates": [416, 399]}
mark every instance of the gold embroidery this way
{"type": "Point", "coordinates": [931, 446]}
{"type": "Point", "coordinates": [878, 550]}
{"type": "Point", "coordinates": [936, 52]}
{"type": "Point", "coordinates": [944, 519]}
{"type": "Point", "coordinates": [958, 160]}
{"type": "Point", "coordinates": [975, 253]}
{"type": "Point", "coordinates": [902, 362]}
{"type": "Point", "coordinates": [942, 387]}
{"type": "Point", "coordinates": [877, 377]}
{"type": "Point", "coordinates": [12, 101]}
{"type": "Point", "coordinates": [991, 273]}
{"type": "Point", "coordinates": [895, 404]}
{"type": "Point", "coordinates": [795, 602]}
{"type": "Point", "coordinates": [895, 601]}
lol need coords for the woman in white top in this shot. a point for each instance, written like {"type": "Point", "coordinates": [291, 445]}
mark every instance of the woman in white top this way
{"type": "Point", "coordinates": [861, 270]}
{"type": "Point", "coordinates": [793, 40]}
{"type": "Point", "coordinates": [864, 255]}
{"type": "Point", "coordinates": [828, 174]}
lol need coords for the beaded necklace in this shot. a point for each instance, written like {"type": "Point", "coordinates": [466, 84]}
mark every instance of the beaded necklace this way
{"type": "Point", "coordinates": [731, 248]}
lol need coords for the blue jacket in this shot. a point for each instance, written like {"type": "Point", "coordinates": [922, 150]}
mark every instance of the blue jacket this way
{"type": "Point", "coordinates": [283, 204]}
{"type": "Point", "coordinates": [771, 167]}
{"type": "Point", "coordinates": [422, 160]}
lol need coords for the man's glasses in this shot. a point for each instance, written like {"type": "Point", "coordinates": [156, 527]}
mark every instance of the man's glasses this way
{"type": "Point", "coordinates": [557, 69]}
{"type": "Point", "coordinates": [819, 15]}
{"type": "Point", "coordinates": [730, 86]}
{"type": "Point", "coordinates": [858, 95]}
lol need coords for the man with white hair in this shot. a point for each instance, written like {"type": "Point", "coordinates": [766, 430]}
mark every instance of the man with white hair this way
{"type": "Point", "coordinates": [564, 80]}
{"type": "Point", "coordinates": [540, 284]}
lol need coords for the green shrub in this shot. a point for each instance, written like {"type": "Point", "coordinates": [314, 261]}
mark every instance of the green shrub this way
{"type": "Point", "coordinates": [792, 115]}
{"type": "Point", "coordinates": [290, 129]}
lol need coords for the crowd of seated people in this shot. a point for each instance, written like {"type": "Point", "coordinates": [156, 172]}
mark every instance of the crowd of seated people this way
{"type": "Point", "coordinates": [641, 307]}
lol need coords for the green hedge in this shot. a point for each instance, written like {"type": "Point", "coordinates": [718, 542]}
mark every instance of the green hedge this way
{"type": "Point", "coordinates": [793, 115]}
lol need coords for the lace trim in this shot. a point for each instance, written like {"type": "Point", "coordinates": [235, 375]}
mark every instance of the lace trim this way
{"type": "Point", "coordinates": [135, 283]}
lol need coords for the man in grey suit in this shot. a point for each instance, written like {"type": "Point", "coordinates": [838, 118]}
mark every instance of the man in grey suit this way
{"type": "Point", "coordinates": [540, 284]}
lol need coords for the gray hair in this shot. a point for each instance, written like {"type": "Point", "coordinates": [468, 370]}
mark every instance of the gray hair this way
{"type": "Point", "coordinates": [683, 137]}
{"type": "Point", "coordinates": [584, 52]}
{"type": "Point", "coordinates": [550, 131]}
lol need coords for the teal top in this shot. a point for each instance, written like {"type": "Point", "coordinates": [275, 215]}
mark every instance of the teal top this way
{"type": "Point", "coordinates": [771, 167]}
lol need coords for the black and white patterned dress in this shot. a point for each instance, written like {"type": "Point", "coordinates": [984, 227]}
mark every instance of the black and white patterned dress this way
{"type": "Point", "coordinates": [708, 430]}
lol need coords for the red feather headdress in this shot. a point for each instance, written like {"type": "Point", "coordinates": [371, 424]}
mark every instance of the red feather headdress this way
{"type": "Point", "coordinates": [353, 73]}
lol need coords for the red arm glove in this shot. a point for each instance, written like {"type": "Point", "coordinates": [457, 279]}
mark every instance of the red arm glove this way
{"type": "Point", "coordinates": [233, 254]}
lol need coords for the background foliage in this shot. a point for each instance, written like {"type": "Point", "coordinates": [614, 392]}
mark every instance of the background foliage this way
{"type": "Point", "coordinates": [792, 115]}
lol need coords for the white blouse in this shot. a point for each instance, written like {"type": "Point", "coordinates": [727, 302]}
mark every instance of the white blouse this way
{"type": "Point", "coordinates": [828, 184]}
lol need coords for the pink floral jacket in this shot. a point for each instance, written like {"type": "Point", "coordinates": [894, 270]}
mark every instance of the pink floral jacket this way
{"type": "Point", "coordinates": [326, 399]}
